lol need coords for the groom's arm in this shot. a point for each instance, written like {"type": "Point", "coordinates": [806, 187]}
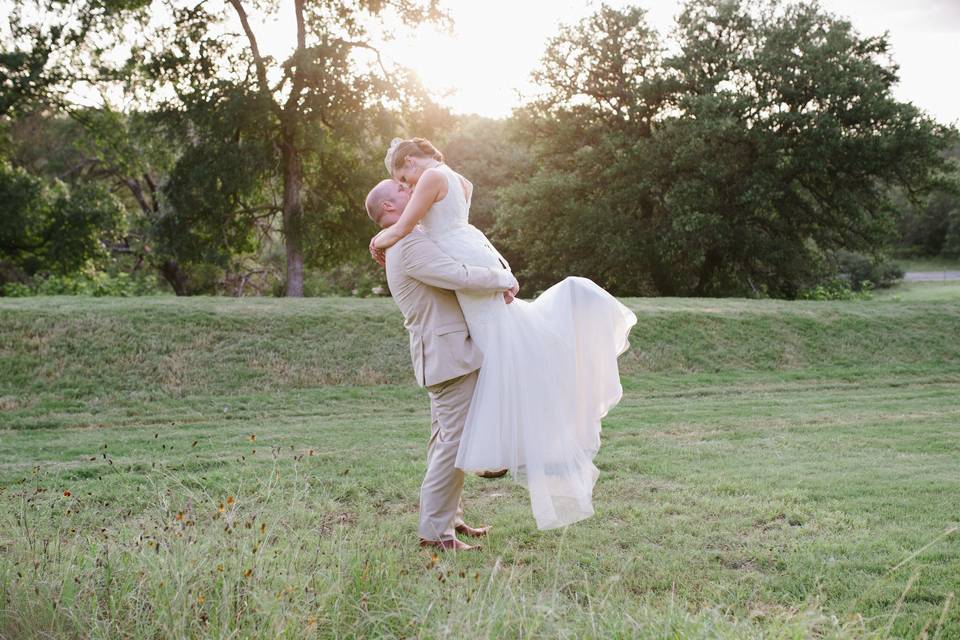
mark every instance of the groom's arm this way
{"type": "Point", "coordinates": [423, 260]}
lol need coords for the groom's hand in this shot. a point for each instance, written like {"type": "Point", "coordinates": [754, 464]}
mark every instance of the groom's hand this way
{"type": "Point", "coordinates": [510, 294]}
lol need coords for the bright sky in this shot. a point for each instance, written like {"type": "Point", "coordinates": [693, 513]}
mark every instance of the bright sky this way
{"type": "Point", "coordinates": [497, 43]}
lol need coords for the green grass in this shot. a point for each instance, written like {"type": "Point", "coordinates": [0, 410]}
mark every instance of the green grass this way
{"type": "Point", "coordinates": [912, 292]}
{"type": "Point", "coordinates": [928, 264]}
{"type": "Point", "coordinates": [775, 470]}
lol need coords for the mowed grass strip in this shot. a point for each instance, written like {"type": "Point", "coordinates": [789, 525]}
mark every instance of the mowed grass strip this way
{"type": "Point", "coordinates": [143, 348]}
{"type": "Point", "coordinates": [766, 500]}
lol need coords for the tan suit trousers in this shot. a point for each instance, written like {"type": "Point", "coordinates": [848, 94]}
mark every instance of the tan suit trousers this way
{"type": "Point", "coordinates": [440, 507]}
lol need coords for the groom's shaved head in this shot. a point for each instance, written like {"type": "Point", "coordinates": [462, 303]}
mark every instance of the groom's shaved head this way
{"type": "Point", "coordinates": [385, 191]}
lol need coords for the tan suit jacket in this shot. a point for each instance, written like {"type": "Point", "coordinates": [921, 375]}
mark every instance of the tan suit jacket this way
{"type": "Point", "coordinates": [422, 279]}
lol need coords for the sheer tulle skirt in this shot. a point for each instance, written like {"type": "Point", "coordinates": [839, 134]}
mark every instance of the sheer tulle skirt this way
{"type": "Point", "coordinates": [549, 375]}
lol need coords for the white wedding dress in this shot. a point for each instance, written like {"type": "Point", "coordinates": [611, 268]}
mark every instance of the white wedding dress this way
{"type": "Point", "coordinates": [549, 373]}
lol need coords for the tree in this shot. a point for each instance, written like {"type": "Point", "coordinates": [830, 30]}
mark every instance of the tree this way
{"type": "Point", "coordinates": [51, 134]}
{"type": "Point", "coordinates": [302, 125]}
{"type": "Point", "coordinates": [52, 227]}
{"type": "Point", "coordinates": [735, 165]}
{"type": "Point", "coordinates": [311, 110]}
{"type": "Point", "coordinates": [483, 149]}
{"type": "Point", "coordinates": [932, 228]}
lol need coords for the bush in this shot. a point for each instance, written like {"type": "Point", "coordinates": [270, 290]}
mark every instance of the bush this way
{"type": "Point", "coordinates": [951, 243]}
{"type": "Point", "coordinates": [17, 290]}
{"type": "Point", "coordinates": [858, 269]}
{"type": "Point", "coordinates": [838, 288]}
{"type": "Point", "coordinates": [364, 279]}
{"type": "Point", "coordinates": [96, 283]}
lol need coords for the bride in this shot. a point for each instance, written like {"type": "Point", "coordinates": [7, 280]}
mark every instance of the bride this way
{"type": "Point", "coordinates": [549, 369]}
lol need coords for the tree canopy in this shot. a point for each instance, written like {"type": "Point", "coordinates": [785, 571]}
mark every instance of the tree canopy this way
{"type": "Point", "coordinates": [767, 138]}
{"type": "Point", "coordinates": [257, 139]}
{"type": "Point", "coordinates": [748, 151]}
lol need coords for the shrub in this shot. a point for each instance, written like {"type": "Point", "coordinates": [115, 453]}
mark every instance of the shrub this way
{"type": "Point", "coordinates": [857, 269]}
{"type": "Point", "coordinates": [95, 283]}
{"type": "Point", "coordinates": [839, 288]}
{"type": "Point", "coordinates": [364, 279]}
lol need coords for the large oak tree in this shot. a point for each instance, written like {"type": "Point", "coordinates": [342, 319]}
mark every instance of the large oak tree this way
{"type": "Point", "coordinates": [732, 157]}
{"type": "Point", "coordinates": [293, 139]}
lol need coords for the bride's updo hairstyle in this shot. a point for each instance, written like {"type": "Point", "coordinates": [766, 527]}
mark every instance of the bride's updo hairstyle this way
{"type": "Point", "coordinates": [417, 148]}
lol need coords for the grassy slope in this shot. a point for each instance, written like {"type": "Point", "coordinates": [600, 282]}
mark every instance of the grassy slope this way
{"type": "Point", "coordinates": [929, 264]}
{"type": "Point", "coordinates": [776, 469]}
{"type": "Point", "coordinates": [161, 347]}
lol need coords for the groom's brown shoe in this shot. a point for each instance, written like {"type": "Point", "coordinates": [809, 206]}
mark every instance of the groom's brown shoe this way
{"type": "Point", "coordinates": [467, 530]}
{"type": "Point", "coordinates": [451, 544]}
{"type": "Point", "coordinates": [492, 474]}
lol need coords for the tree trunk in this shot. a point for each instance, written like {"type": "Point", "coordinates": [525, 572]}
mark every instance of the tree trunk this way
{"type": "Point", "coordinates": [709, 267]}
{"type": "Point", "coordinates": [177, 278]}
{"type": "Point", "coordinates": [293, 217]}
{"type": "Point", "coordinates": [662, 277]}
{"type": "Point", "coordinates": [661, 274]}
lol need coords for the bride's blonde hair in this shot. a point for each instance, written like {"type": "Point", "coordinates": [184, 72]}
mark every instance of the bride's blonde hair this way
{"type": "Point", "coordinates": [417, 147]}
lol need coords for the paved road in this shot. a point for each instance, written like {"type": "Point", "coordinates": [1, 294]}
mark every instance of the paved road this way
{"type": "Point", "coordinates": [929, 276]}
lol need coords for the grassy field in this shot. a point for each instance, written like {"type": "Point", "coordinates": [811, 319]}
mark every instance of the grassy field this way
{"type": "Point", "coordinates": [929, 291]}
{"type": "Point", "coordinates": [250, 468]}
{"type": "Point", "coordinates": [929, 264]}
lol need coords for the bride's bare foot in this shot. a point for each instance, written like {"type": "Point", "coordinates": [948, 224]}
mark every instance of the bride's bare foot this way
{"type": "Point", "coordinates": [467, 530]}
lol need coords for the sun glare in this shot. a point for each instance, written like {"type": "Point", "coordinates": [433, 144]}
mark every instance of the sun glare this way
{"type": "Point", "coordinates": [454, 70]}
{"type": "Point", "coordinates": [484, 65]}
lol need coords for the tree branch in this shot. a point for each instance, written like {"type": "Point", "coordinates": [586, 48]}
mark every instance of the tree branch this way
{"type": "Point", "coordinates": [254, 49]}
{"type": "Point", "coordinates": [365, 45]}
{"type": "Point", "coordinates": [80, 166]}
{"type": "Point", "coordinates": [301, 29]}
{"type": "Point", "coordinates": [136, 190]}
{"type": "Point", "coordinates": [297, 87]}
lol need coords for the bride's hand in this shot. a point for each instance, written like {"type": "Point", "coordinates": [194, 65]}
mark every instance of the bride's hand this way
{"type": "Point", "coordinates": [379, 255]}
{"type": "Point", "coordinates": [385, 239]}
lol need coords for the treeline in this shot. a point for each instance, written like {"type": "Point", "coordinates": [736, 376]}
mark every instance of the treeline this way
{"type": "Point", "coordinates": [755, 150]}
{"type": "Point", "coordinates": [932, 228]}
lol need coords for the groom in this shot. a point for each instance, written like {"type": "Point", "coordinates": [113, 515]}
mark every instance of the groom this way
{"type": "Point", "coordinates": [422, 280]}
